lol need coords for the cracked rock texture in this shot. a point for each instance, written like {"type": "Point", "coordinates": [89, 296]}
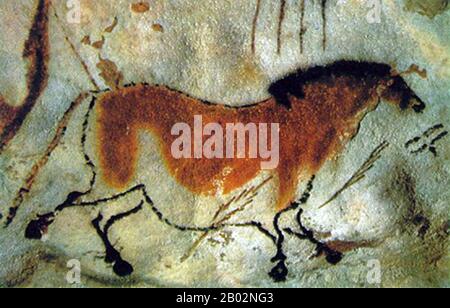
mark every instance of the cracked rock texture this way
{"type": "Point", "coordinates": [393, 224]}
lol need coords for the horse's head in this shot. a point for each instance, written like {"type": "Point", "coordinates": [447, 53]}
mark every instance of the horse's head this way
{"type": "Point", "coordinates": [374, 76]}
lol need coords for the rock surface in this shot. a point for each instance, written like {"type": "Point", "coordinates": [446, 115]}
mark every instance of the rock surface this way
{"type": "Point", "coordinates": [391, 225]}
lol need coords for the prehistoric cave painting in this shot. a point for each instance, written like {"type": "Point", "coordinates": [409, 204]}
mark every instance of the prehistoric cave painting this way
{"type": "Point", "coordinates": [311, 134]}
{"type": "Point", "coordinates": [427, 141]}
{"type": "Point", "coordinates": [281, 16]}
{"type": "Point", "coordinates": [291, 105]}
{"type": "Point", "coordinates": [36, 52]}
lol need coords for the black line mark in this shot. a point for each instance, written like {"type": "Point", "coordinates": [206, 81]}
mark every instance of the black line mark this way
{"type": "Point", "coordinates": [280, 272]}
{"type": "Point", "coordinates": [42, 17]}
{"type": "Point", "coordinates": [428, 140]}
{"type": "Point", "coordinates": [37, 228]}
{"type": "Point", "coordinates": [60, 133]}
{"type": "Point", "coordinates": [433, 148]}
{"type": "Point", "coordinates": [412, 141]}
{"type": "Point", "coordinates": [439, 137]}
{"type": "Point", "coordinates": [433, 129]}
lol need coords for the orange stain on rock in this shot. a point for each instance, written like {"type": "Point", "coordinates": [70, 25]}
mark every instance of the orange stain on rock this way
{"type": "Point", "coordinates": [311, 132]}
{"type": "Point", "coordinates": [140, 7]}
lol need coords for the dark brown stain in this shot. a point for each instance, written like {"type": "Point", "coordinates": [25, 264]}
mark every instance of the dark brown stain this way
{"type": "Point", "coordinates": [158, 28]}
{"type": "Point", "coordinates": [302, 24]}
{"type": "Point", "coordinates": [36, 51]}
{"type": "Point", "coordinates": [86, 40]}
{"type": "Point", "coordinates": [110, 73]}
{"type": "Point", "coordinates": [111, 28]}
{"type": "Point", "coordinates": [345, 246]}
{"type": "Point", "coordinates": [255, 24]}
{"type": "Point", "coordinates": [99, 44]}
{"type": "Point", "coordinates": [324, 24]}
{"type": "Point", "coordinates": [423, 223]}
{"type": "Point", "coordinates": [318, 111]}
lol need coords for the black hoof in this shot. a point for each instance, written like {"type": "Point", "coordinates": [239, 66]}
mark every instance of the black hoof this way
{"type": "Point", "coordinates": [279, 273]}
{"type": "Point", "coordinates": [123, 268]}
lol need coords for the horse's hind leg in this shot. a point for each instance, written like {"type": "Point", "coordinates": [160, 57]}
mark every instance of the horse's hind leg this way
{"type": "Point", "coordinates": [121, 267]}
{"type": "Point", "coordinates": [38, 227]}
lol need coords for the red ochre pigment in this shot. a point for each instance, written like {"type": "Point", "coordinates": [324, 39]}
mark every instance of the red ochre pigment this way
{"type": "Point", "coordinates": [316, 127]}
{"type": "Point", "coordinates": [36, 52]}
